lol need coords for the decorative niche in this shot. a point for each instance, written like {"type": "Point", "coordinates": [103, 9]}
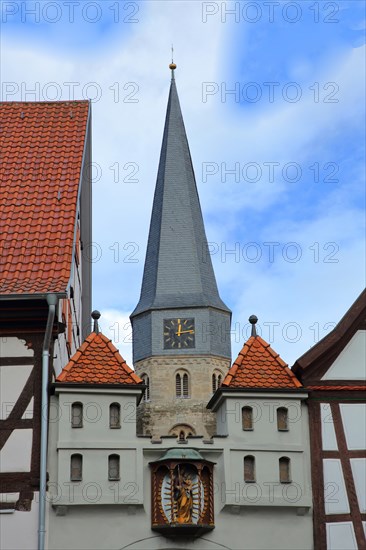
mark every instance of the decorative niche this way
{"type": "Point", "coordinates": [182, 494]}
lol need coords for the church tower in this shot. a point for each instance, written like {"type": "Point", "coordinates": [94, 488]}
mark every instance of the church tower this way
{"type": "Point", "coordinates": [181, 327]}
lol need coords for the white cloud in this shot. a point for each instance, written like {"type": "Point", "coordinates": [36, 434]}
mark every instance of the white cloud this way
{"type": "Point", "coordinates": [116, 326]}
{"type": "Point", "coordinates": [128, 135]}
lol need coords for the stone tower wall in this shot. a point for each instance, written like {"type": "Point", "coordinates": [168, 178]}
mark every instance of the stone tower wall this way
{"type": "Point", "coordinates": [163, 411]}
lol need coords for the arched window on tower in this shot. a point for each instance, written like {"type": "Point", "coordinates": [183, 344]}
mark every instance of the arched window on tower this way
{"type": "Point", "coordinates": [146, 381]}
{"type": "Point", "coordinates": [182, 385]}
{"type": "Point", "coordinates": [114, 415]}
{"type": "Point", "coordinates": [282, 419]}
{"type": "Point", "coordinates": [249, 469]}
{"type": "Point", "coordinates": [178, 385]}
{"type": "Point", "coordinates": [247, 418]}
{"type": "Point", "coordinates": [216, 380]}
{"type": "Point", "coordinates": [285, 469]}
{"type": "Point", "coordinates": [185, 385]}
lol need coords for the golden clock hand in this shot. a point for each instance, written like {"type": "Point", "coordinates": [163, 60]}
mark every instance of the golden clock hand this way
{"type": "Point", "coordinates": [179, 329]}
{"type": "Point", "coordinates": [184, 332]}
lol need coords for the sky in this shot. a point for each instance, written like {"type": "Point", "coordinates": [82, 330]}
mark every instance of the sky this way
{"type": "Point", "coordinates": [273, 99]}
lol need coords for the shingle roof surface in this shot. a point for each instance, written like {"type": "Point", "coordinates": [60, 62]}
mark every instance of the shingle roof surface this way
{"type": "Point", "coordinates": [178, 269]}
{"type": "Point", "coordinates": [97, 361]}
{"type": "Point", "coordinates": [259, 366]}
{"type": "Point", "coordinates": [41, 148]}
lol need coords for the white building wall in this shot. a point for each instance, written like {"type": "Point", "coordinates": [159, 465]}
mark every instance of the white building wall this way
{"type": "Point", "coordinates": [341, 536]}
{"type": "Point", "coordinates": [350, 363]}
{"type": "Point", "coordinates": [335, 494]}
{"type": "Point", "coordinates": [12, 381]}
{"type": "Point", "coordinates": [329, 440]}
{"type": "Point", "coordinates": [18, 530]}
{"type": "Point", "coordinates": [358, 466]}
{"type": "Point", "coordinates": [354, 423]}
{"type": "Point", "coordinates": [280, 519]}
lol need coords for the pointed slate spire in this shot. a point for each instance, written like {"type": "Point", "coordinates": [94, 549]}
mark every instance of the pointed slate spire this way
{"type": "Point", "coordinates": [178, 270]}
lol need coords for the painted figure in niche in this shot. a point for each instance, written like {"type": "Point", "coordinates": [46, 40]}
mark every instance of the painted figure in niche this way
{"type": "Point", "coordinates": [183, 495]}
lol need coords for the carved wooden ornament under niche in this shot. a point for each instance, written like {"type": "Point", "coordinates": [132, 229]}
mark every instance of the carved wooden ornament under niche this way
{"type": "Point", "coordinates": [182, 493]}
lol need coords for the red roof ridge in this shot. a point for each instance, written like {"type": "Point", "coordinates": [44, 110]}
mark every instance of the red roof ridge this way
{"type": "Point", "coordinates": [62, 101]}
{"type": "Point", "coordinates": [98, 361]}
{"type": "Point", "coordinates": [259, 366]}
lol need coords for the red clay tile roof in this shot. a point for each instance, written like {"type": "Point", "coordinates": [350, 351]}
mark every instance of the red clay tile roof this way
{"type": "Point", "coordinates": [41, 148]}
{"type": "Point", "coordinates": [97, 361]}
{"type": "Point", "coordinates": [258, 366]}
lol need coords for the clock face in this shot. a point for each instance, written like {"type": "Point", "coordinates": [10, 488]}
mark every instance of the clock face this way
{"type": "Point", "coordinates": [179, 333]}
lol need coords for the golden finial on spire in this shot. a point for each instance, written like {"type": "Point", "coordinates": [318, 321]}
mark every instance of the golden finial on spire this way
{"type": "Point", "coordinates": [172, 65]}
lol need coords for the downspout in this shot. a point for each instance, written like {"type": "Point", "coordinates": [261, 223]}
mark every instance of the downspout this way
{"type": "Point", "coordinates": [52, 302]}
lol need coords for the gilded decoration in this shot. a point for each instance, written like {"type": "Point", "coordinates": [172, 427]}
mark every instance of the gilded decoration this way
{"type": "Point", "coordinates": [182, 493]}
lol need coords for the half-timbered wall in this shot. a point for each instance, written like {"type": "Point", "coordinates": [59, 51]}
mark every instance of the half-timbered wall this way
{"type": "Point", "coordinates": [20, 414]}
{"type": "Point", "coordinates": [20, 368]}
{"type": "Point", "coordinates": [339, 470]}
{"type": "Point", "coordinates": [338, 440]}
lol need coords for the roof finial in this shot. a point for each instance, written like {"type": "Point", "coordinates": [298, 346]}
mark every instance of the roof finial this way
{"type": "Point", "coordinates": [96, 315]}
{"type": "Point", "coordinates": [253, 320]}
{"type": "Point", "coordinates": [172, 65]}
